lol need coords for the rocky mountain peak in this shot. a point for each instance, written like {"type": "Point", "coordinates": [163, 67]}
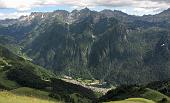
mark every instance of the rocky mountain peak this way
{"type": "Point", "coordinates": [118, 12]}
{"type": "Point", "coordinates": [85, 10]}
{"type": "Point", "coordinates": [61, 12]}
{"type": "Point", "coordinates": [166, 12]}
{"type": "Point", "coordinates": [110, 13]}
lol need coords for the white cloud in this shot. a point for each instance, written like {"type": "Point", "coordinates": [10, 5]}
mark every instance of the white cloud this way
{"type": "Point", "coordinates": [144, 6]}
{"type": "Point", "coordinates": [20, 5]}
{"type": "Point", "coordinates": [23, 5]}
{"type": "Point", "coordinates": [13, 15]}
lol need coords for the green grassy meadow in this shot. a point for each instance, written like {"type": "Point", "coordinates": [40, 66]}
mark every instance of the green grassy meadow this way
{"type": "Point", "coordinates": [26, 95]}
{"type": "Point", "coordinates": [134, 100]}
{"type": "Point", "coordinates": [8, 97]}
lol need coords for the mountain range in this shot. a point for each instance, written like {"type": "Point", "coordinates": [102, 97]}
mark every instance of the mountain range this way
{"type": "Point", "coordinates": [110, 46]}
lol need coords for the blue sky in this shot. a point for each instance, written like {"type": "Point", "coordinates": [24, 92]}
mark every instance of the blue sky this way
{"type": "Point", "coordinates": [16, 8]}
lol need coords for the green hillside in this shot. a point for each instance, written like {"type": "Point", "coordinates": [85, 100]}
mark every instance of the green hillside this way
{"type": "Point", "coordinates": [133, 100]}
{"type": "Point", "coordinates": [8, 97]}
{"type": "Point", "coordinates": [161, 86]}
{"type": "Point", "coordinates": [30, 92]}
{"type": "Point", "coordinates": [13, 66]}
{"type": "Point", "coordinates": [20, 77]}
{"type": "Point", "coordinates": [126, 92]}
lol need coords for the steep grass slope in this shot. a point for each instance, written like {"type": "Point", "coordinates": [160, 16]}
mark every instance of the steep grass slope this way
{"type": "Point", "coordinates": [8, 97]}
{"type": "Point", "coordinates": [30, 92]}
